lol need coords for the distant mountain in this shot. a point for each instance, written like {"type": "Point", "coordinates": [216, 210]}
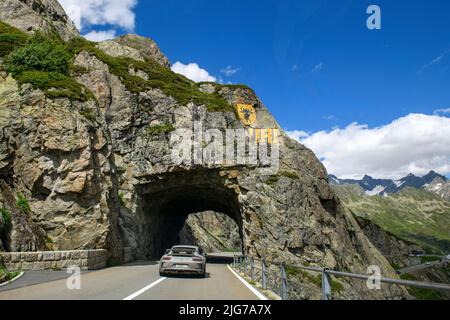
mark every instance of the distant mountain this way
{"type": "Point", "coordinates": [413, 215]}
{"type": "Point", "coordinates": [433, 182]}
{"type": "Point", "coordinates": [440, 187]}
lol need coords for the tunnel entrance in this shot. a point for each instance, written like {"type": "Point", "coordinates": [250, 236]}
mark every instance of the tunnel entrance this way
{"type": "Point", "coordinates": [165, 205]}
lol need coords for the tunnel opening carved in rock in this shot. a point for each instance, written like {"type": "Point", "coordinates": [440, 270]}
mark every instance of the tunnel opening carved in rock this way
{"type": "Point", "coordinates": [165, 206]}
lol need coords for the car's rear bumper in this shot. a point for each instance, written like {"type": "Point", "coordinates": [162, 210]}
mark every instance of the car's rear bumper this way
{"type": "Point", "coordinates": [182, 271]}
{"type": "Point", "coordinates": [191, 269]}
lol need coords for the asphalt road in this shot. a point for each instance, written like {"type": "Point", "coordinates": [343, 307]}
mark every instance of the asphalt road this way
{"type": "Point", "coordinates": [138, 281]}
{"type": "Point", "coordinates": [421, 267]}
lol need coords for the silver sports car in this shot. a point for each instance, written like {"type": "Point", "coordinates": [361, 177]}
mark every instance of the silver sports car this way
{"type": "Point", "coordinates": [183, 260]}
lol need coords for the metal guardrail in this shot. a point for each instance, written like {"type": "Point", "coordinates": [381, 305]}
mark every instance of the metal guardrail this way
{"type": "Point", "coordinates": [280, 281]}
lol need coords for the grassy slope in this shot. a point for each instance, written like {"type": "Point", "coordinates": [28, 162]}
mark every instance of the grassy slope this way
{"type": "Point", "coordinates": [57, 85]}
{"type": "Point", "coordinates": [413, 215]}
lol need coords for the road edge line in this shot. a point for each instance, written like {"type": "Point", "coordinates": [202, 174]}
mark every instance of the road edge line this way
{"type": "Point", "coordinates": [12, 280]}
{"type": "Point", "coordinates": [248, 285]}
{"type": "Point", "coordinates": [138, 293]}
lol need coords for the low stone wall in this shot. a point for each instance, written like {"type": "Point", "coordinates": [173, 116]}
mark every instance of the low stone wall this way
{"type": "Point", "coordinates": [54, 260]}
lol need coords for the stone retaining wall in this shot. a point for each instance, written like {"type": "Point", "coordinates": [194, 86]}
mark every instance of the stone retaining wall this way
{"type": "Point", "coordinates": [54, 260]}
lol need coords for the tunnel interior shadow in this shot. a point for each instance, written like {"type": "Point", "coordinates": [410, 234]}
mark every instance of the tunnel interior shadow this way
{"type": "Point", "coordinates": [165, 206]}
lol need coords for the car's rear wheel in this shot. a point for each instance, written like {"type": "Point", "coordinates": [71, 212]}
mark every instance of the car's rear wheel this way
{"type": "Point", "coordinates": [204, 273]}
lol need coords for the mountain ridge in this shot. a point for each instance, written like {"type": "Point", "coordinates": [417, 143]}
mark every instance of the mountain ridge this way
{"type": "Point", "coordinates": [432, 182]}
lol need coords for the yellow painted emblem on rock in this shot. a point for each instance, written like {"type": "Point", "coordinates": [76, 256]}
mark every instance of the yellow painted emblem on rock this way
{"type": "Point", "coordinates": [246, 113]}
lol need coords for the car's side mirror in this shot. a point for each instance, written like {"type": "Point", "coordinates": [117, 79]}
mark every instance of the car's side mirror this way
{"type": "Point", "coordinates": [168, 251]}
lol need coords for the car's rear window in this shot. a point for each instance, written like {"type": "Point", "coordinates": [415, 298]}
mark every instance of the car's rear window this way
{"type": "Point", "coordinates": [183, 251]}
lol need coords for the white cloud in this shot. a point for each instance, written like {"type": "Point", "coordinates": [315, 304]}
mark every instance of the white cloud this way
{"type": "Point", "coordinates": [317, 68]}
{"type": "Point", "coordinates": [98, 36]}
{"type": "Point", "coordinates": [330, 117]}
{"type": "Point", "coordinates": [229, 71]}
{"type": "Point", "coordinates": [416, 143]}
{"type": "Point", "coordinates": [193, 71]}
{"type": "Point", "coordinates": [298, 134]}
{"type": "Point", "coordinates": [87, 14]}
{"type": "Point", "coordinates": [440, 112]}
{"type": "Point", "coordinates": [436, 60]}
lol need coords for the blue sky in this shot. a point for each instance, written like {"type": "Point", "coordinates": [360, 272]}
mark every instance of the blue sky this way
{"type": "Point", "coordinates": [316, 66]}
{"type": "Point", "coordinates": [371, 77]}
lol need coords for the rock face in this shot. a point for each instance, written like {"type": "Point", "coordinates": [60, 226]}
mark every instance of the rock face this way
{"type": "Point", "coordinates": [395, 250]}
{"type": "Point", "coordinates": [25, 235]}
{"type": "Point", "coordinates": [211, 231]}
{"type": "Point", "coordinates": [32, 15]}
{"type": "Point", "coordinates": [439, 186]}
{"type": "Point", "coordinates": [100, 174]}
{"type": "Point", "coordinates": [147, 48]}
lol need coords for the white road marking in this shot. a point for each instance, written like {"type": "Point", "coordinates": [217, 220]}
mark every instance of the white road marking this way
{"type": "Point", "coordinates": [138, 293]}
{"type": "Point", "coordinates": [248, 285]}
{"type": "Point", "coordinates": [12, 280]}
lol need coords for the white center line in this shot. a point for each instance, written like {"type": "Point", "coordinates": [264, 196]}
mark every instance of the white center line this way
{"type": "Point", "coordinates": [249, 286]}
{"type": "Point", "coordinates": [138, 293]}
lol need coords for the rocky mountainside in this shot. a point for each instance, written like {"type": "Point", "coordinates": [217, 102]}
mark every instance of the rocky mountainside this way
{"type": "Point", "coordinates": [396, 250]}
{"type": "Point", "coordinates": [413, 215]}
{"type": "Point", "coordinates": [31, 15]}
{"type": "Point", "coordinates": [213, 232]}
{"type": "Point", "coordinates": [374, 187]}
{"type": "Point", "coordinates": [439, 186]}
{"type": "Point", "coordinates": [86, 152]}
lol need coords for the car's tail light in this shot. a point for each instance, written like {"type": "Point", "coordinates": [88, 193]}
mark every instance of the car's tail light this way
{"type": "Point", "coordinates": [197, 259]}
{"type": "Point", "coordinates": [167, 258]}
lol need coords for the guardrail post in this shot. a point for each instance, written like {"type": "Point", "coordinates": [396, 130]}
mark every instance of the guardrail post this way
{"type": "Point", "coordinates": [284, 295]}
{"type": "Point", "coordinates": [234, 261]}
{"type": "Point", "coordinates": [263, 277]}
{"type": "Point", "coordinates": [253, 268]}
{"type": "Point", "coordinates": [240, 263]}
{"type": "Point", "coordinates": [245, 265]}
{"type": "Point", "coordinates": [326, 285]}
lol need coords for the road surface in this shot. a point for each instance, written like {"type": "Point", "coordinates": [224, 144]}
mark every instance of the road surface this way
{"type": "Point", "coordinates": [422, 266]}
{"type": "Point", "coordinates": [138, 281]}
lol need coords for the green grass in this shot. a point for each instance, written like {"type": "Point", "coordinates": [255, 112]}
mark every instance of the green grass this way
{"type": "Point", "coordinates": [231, 86]}
{"type": "Point", "coordinates": [23, 204]}
{"type": "Point", "coordinates": [6, 216]}
{"type": "Point", "coordinates": [55, 85]}
{"type": "Point", "coordinates": [174, 85]}
{"type": "Point", "coordinates": [272, 180]}
{"type": "Point", "coordinates": [395, 266]}
{"type": "Point", "coordinates": [6, 276]}
{"type": "Point", "coordinates": [40, 53]}
{"type": "Point", "coordinates": [49, 242]}
{"type": "Point", "coordinates": [10, 39]}
{"type": "Point", "coordinates": [89, 114]}
{"type": "Point", "coordinates": [287, 174]}
{"type": "Point", "coordinates": [336, 286]}
{"type": "Point", "coordinates": [413, 215]}
{"type": "Point", "coordinates": [45, 61]}
{"type": "Point", "coordinates": [122, 199]}
{"type": "Point", "coordinates": [160, 129]}
{"type": "Point", "coordinates": [290, 175]}
{"type": "Point", "coordinates": [422, 294]}
{"type": "Point", "coordinates": [426, 259]}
